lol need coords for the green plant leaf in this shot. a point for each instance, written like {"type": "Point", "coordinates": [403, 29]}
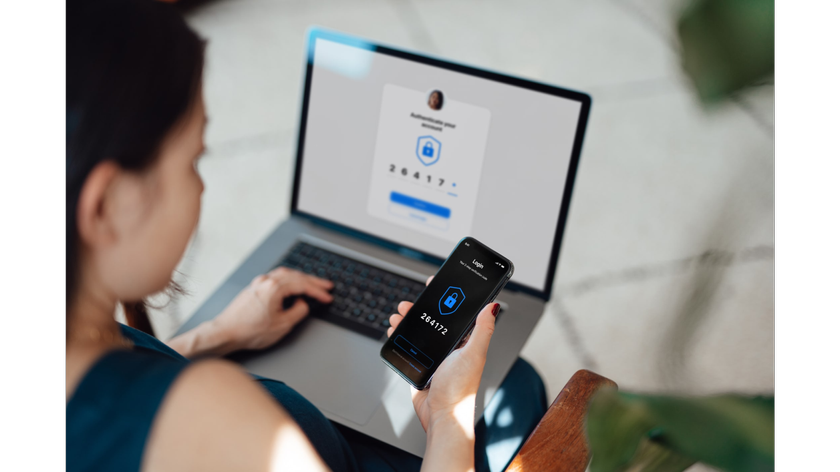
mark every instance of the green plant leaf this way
{"type": "Point", "coordinates": [645, 433]}
{"type": "Point", "coordinates": [727, 45]}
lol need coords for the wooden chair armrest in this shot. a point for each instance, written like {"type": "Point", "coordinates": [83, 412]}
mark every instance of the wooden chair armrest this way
{"type": "Point", "coordinates": [558, 443]}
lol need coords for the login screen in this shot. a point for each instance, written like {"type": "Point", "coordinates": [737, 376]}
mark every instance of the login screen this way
{"type": "Point", "coordinates": [427, 161]}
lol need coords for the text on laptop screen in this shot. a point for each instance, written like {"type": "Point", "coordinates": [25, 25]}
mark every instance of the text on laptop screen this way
{"type": "Point", "coordinates": [423, 156]}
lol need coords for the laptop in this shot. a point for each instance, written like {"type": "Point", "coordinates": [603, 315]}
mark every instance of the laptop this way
{"type": "Point", "coordinates": [399, 156]}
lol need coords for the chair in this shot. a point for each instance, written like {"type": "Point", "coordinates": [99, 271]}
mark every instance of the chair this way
{"type": "Point", "coordinates": [558, 443]}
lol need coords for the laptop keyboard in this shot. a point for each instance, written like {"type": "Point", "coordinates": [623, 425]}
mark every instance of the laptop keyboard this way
{"type": "Point", "coordinates": [364, 296]}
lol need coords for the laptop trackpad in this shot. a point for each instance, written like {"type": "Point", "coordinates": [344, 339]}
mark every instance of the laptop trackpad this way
{"type": "Point", "coordinates": [337, 370]}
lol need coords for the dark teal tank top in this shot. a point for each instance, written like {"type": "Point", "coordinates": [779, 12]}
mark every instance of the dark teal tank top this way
{"type": "Point", "coordinates": [113, 408]}
{"type": "Point", "coordinates": [112, 411]}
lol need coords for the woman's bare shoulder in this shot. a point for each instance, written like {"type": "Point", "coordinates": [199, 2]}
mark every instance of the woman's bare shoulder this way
{"type": "Point", "coordinates": [215, 417]}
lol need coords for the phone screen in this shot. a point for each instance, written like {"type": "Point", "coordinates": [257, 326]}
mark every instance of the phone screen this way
{"type": "Point", "coordinates": [445, 311]}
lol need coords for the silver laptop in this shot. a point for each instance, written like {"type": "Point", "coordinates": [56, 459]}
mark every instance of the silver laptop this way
{"type": "Point", "coordinates": [399, 156]}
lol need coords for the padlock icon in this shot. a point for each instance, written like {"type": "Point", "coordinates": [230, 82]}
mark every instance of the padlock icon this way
{"type": "Point", "coordinates": [428, 149]}
{"type": "Point", "coordinates": [451, 300]}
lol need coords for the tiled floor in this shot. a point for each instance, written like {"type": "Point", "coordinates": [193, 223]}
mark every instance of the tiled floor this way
{"type": "Point", "coordinates": [661, 182]}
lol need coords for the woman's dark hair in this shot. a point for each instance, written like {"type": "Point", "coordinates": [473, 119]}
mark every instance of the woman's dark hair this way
{"type": "Point", "coordinates": [134, 69]}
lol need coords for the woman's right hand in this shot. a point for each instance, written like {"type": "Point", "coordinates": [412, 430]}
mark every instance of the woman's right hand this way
{"type": "Point", "coordinates": [453, 390]}
{"type": "Point", "coordinates": [255, 319]}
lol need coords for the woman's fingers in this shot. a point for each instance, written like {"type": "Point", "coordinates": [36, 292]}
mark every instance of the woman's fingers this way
{"type": "Point", "coordinates": [485, 324]}
{"type": "Point", "coordinates": [259, 279]}
{"type": "Point", "coordinates": [297, 312]}
{"type": "Point", "coordinates": [403, 307]}
{"type": "Point", "coordinates": [284, 273]}
{"type": "Point", "coordinates": [394, 321]}
{"type": "Point", "coordinates": [302, 286]}
{"type": "Point", "coordinates": [429, 280]}
{"type": "Point", "coordinates": [281, 273]}
{"type": "Point", "coordinates": [327, 284]}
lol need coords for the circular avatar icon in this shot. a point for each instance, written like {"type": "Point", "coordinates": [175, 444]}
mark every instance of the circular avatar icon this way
{"type": "Point", "coordinates": [435, 100]}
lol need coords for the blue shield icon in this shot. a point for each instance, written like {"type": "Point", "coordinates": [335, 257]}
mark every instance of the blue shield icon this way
{"type": "Point", "coordinates": [451, 300]}
{"type": "Point", "coordinates": [428, 150]}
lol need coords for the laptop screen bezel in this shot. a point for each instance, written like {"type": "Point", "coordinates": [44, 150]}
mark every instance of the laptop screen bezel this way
{"type": "Point", "coordinates": [584, 99]}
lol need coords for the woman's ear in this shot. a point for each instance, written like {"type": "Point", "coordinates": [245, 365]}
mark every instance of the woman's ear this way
{"type": "Point", "coordinates": [95, 223]}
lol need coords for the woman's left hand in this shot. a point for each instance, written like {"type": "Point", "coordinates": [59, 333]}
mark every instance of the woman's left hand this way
{"type": "Point", "coordinates": [255, 319]}
{"type": "Point", "coordinates": [453, 391]}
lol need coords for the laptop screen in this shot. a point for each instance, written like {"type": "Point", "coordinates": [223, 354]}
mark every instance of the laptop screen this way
{"type": "Point", "coordinates": [419, 153]}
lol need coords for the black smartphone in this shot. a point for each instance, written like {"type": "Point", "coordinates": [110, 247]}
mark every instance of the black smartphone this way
{"type": "Point", "coordinates": [445, 311]}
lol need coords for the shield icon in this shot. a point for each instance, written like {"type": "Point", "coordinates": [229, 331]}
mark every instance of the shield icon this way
{"type": "Point", "coordinates": [451, 300]}
{"type": "Point", "coordinates": [428, 150]}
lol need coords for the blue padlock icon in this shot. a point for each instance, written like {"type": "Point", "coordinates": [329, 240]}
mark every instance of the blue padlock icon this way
{"type": "Point", "coordinates": [428, 149]}
{"type": "Point", "coordinates": [451, 300]}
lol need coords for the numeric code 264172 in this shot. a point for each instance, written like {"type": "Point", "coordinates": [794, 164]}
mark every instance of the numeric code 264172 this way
{"type": "Point", "coordinates": [434, 324]}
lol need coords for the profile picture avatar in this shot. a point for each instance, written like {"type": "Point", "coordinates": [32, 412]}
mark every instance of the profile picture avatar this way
{"type": "Point", "coordinates": [435, 100]}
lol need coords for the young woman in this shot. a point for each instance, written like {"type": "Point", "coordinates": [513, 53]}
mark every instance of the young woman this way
{"type": "Point", "coordinates": [135, 124]}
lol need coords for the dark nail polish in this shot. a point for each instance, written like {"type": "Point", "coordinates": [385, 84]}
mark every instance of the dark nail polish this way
{"type": "Point", "coordinates": [496, 309]}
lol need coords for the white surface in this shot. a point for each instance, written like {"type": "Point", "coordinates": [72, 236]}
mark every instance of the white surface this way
{"type": "Point", "coordinates": [661, 180]}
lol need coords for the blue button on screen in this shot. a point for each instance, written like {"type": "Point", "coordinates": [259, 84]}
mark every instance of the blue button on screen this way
{"type": "Point", "coordinates": [421, 205]}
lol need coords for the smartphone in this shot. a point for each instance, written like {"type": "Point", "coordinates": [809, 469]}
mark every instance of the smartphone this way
{"type": "Point", "coordinates": [445, 311]}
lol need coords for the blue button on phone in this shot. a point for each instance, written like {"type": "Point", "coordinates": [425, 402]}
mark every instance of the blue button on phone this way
{"type": "Point", "coordinates": [412, 351]}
